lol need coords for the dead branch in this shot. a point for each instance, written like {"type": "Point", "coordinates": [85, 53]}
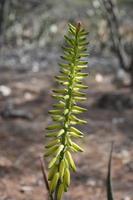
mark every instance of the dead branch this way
{"type": "Point", "coordinates": [43, 168]}
{"type": "Point", "coordinates": [126, 62]}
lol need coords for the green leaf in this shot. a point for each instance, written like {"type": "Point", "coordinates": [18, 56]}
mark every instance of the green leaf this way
{"type": "Point", "coordinates": [73, 134]}
{"type": "Point", "coordinates": [81, 86]}
{"type": "Point", "coordinates": [65, 72]}
{"type": "Point", "coordinates": [79, 108]}
{"type": "Point", "coordinates": [55, 112]}
{"type": "Point", "coordinates": [61, 132]}
{"type": "Point", "coordinates": [83, 43]}
{"type": "Point", "coordinates": [52, 142]}
{"type": "Point", "coordinates": [60, 91]}
{"type": "Point", "coordinates": [82, 39]}
{"type": "Point", "coordinates": [77, 120]}
{"type": "Point", "coordinates": [57, 118]}
{"type": "Point", "coordinates": [77, 147]}
{"type": "Point", "coordinates": [72, 27]}
{"type": "Point", "coordinates": [54, 127]}
{"type": "Point", "coordinates": [62, 78]}
{"type": "Point", "coordinates": [74, 111]}
{"type": "Point", "coordinates": [82, 49]}
{"type": "Point", "coordinates": [51, 151]}
{"type": "Point", "coordinates": [59, 97]}
{"type": "Point", "coordinates": [83, 33]}
{"type": "Point", "coordinates": [70, 160]}
{"type": "Point", "coordinates": [52, 162]}
{"type": "Point", "coordinates": [52, 134]}
{"type": "Point", "coordinates": [80, 67]}
{"type": "Point", "coordinates": [60, 148]}
{"type": "Point", "coordinates": [76, 98]}
{"type": "Point", "coordinates": [64, 65]}
{"type": "Point", "coordinates": [73, 129]}
{"type": "Point", "coordinates": [66, 97]}
{"type": "Point", "coordinates": [82, 63]}
{"type": "Point", "coordinates": [82, 74]}
{"type": "Point", "coordinates": [69, 41]}
{"type": "Point", "coordinates": [61, 104]}
{"type": "Point", "coordinates": [79, 94]}
{"type": "Point", "coordinates": [66, 111]}
{"type": "Point", "coordinates": [67, 58]}
{"type": "Point", "coordinates": [71, 31]}
{"type": "Point", "coordinates": [68, 50]}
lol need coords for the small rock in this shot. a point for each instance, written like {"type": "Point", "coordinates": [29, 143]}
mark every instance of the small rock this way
{"type": "Point", "coordinates": [99, 78]}
{"type": "Point", "coordinates": [4, 162]}
{"type": "Point", "coordinates": [53, 28]}
{"type": "Point", "coordinates": [4, 90]}
{"type": "Point", "coordinates": [91, 182]}
{"type": "Point", "coordinates": [26, 189]}
{"type": "Point", "coordinates": [126, 198]}
{"type": "Point", "coordinates": [118, 120]}
{"type": "Point", "coordinates": [28, 96]}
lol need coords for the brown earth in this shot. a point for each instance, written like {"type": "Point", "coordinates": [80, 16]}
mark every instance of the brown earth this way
{"type": "Point", "coordinates": [22, 142]}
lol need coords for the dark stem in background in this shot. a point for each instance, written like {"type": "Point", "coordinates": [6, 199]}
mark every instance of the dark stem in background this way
{"type": "Point", "coordinates": [109, 181]}
{"type": "Point", "coordinates": [2, 3]}
{"type": "Point", "coordinates": [111, 11]}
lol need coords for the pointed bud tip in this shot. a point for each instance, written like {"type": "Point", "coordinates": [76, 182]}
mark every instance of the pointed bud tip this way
{"type": "Point", "coordinates": [78, 25]}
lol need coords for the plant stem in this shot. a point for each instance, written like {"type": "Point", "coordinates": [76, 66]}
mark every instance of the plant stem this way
{"type": "Point", "coordinates": [69, 101]}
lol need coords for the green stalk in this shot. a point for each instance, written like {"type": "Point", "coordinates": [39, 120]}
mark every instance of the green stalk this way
{"type": "Point", "coordinates": [69, 93]}
{"type": "Point", "coordinates": [69, 103]}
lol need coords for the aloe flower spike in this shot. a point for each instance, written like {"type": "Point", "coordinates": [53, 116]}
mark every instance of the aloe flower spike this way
{"type": "Point", "coordinates": [65, 111]}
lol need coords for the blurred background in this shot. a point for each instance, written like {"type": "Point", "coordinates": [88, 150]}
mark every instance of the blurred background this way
{"type": "Point", "coordinates": [31, 36]}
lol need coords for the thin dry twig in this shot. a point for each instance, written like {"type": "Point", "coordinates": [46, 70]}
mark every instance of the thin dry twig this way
{"type": "Point", "coordinates": [43, 168]}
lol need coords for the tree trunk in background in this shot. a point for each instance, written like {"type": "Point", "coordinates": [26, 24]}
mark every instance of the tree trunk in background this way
{"type": "Point", "coordinates": [126, 62]}
{"type": "Point", "coordinates": [2, 3]}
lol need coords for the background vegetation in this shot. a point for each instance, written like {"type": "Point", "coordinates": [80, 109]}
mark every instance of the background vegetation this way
{"type": "Point", "coordinates": [31, 35]}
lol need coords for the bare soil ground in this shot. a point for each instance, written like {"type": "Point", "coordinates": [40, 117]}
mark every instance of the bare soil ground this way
{"type": "Point", "coordinates": [22, 142]}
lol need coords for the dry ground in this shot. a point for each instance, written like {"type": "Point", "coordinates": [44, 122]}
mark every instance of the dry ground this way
{"type": "Point", "coordinates": [22, 142]}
